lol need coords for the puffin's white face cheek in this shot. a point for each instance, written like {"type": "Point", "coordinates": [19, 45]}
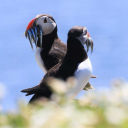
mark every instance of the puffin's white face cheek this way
{"type": "Point", "coordinates": [82, 39]}
{"type": "Point", "coordinates": [46, 24]}
{"type": "Point", "coordinates": [47, 28]}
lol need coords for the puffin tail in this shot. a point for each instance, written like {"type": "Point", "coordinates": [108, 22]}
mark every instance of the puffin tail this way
{"type": "Point", "coordinates": [32, 90]}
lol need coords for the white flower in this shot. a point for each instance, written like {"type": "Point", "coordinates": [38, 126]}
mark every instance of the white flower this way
{"type": "Point", "coordinates": [58, 86]}
{"type": "Point", "coordinates": [115, 115]}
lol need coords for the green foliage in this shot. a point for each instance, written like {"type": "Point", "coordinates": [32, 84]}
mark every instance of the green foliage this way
{"type": "Point", "coordinates": [96, 109]}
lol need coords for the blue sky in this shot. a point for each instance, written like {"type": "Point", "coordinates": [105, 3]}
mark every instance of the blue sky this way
{"type": "Point", "coordinates": [106, 21]}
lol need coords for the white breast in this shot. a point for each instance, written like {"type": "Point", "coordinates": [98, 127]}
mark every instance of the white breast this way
{"type": "Point", "coordinates": [39, 59]}
{"type": "Point", "coordinates": [82, 75]}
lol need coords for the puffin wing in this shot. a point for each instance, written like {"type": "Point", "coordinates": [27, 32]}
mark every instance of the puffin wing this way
{"type": "Point", "coordinates": [42, 86]}
{"type": "Point", "coordinates": [59, 44]}
{"type": "Point", "coordinates": [55, 55]}
{"type": "Point", "coordinates": [32, 90]}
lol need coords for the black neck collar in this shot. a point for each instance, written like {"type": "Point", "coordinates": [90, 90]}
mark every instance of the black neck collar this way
{"type": "Point", "coordinates": [75, 50]}
{"type": "Point", "coordinates": [47, 40]}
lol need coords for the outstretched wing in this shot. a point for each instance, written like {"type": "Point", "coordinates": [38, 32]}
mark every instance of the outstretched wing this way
{"type": "Point", "coordinates": [42, 86]}
{"type": "Point", "coordinates": [32, 90]}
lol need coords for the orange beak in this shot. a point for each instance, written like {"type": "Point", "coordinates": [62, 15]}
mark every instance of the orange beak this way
{"type": "Point", "coordinates": [88, 34]}
{"type": "Point", "coordinates": [30, 25]}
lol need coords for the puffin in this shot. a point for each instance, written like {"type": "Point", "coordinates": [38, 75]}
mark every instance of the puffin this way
{"type": "Point", "coordinates": [76, 63]}
{"type": "Point", "coordinates": [50, 50]}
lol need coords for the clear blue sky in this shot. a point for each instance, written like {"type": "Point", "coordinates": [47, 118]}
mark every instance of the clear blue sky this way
{"type": "Point", "coordinates": [106, 21]}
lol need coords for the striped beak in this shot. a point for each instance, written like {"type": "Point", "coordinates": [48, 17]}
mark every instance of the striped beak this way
{"type": "Point", "coordinates": [89, 42]}
{"type": "Point", "coordinates": [34, 33]}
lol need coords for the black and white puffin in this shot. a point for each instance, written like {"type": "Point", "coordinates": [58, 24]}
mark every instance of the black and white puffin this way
{"type": "Point", "coordinates": [50, 50]}
{"type": "Point", "coordinates": [75, 63]}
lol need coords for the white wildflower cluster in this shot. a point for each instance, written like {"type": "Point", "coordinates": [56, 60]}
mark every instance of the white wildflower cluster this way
{"type": "Point", "coordinates": [96, 109]}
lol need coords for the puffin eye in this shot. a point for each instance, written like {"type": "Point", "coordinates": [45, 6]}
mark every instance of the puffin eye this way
{"type": "Point", "coordinates": [85, 32]}
{"type": "Point", "coordinates": [45, 20]}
